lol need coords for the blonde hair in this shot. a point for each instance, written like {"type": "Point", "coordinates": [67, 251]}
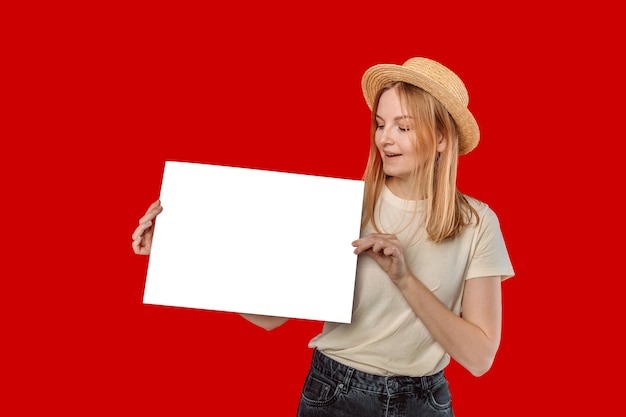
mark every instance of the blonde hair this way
{"type": "Point", "coordinates": [446, 210]}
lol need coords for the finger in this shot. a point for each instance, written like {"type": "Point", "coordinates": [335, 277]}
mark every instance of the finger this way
{"type": "Point", "coordinates": [365, 238]}
{"type": "Point", "coordinates": [370, 254]}
{"type": "Point", "coordinates": [151, 213]}
{"type": "Point", "coordinates": [153, 207]}
{"type": "Point", "coordinates": [362, 246]}
{"type": "Point", "coordinates": [155, 204]}
{"type": "Point", "coordinates": [387, 247]}
{"type": "Point", "coordinates": [373, 237]}
{"type": "Point", "coordinates": [143, 244]}
{"type": "Point", "coordinates": [391, 239]}
{"type": "Point", "coordinates": [371, 243]}
{"type": "Point", "coordinates": [136, 245]}
{"type": "Point", "coordinates": [382, 244]}
{"type": "Point", "coordinates": [392, 251]}
{"type": "Point", "coordinates": [378, 245]}
{"type": "Point", "coordinates": [141, 230]}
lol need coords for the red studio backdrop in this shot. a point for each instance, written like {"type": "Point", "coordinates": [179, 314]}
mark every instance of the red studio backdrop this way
{"type": "Point", "coordinates": [97, 96]}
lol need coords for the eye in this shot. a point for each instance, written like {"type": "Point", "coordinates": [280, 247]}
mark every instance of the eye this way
{"type": "Point", "coordinates": [404, 129]}
{"type": "Point", "coordinates": [380, 127]}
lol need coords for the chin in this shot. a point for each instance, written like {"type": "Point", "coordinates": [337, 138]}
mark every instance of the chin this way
{"type": "Point", "coordinates": [390, 172]}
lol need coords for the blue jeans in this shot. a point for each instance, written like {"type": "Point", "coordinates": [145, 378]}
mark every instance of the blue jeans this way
{"type": "Point", "coordinates": [336, 390]}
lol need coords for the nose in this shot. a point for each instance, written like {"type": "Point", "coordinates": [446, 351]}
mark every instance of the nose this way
{"type": "Point", "coordinates": [385, 137]}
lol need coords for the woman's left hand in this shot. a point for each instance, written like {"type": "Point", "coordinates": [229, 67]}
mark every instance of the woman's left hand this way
{"type": "Point", "coordinates": [387, 252]}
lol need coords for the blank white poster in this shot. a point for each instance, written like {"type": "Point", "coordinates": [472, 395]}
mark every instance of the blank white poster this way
{"type": "Point", "coordinates": [254, 241]}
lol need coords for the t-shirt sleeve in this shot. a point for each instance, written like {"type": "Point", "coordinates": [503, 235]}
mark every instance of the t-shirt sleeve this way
{"type": "Point", "coordinates": [489, 255]}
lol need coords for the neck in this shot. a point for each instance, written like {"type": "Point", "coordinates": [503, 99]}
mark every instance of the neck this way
{"type": "Point", "coordinates": [401, 188]}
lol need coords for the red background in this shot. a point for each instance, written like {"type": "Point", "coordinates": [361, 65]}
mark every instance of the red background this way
{"type": "Point", "coordinates": [97, 96]}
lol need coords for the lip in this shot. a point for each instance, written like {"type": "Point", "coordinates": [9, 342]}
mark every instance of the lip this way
{"type": "Point", "coordinates": [391, 154]}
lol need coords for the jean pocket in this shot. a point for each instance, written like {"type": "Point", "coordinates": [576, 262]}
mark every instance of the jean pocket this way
{"type": "Point", "coordinates": [439, 396]}
{"type": "Point", "coordinates": [319, 390]}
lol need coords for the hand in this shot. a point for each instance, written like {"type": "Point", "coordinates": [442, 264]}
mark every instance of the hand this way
{"type": "Point", "coordinates": [387, 252]}
{"type": "Point", "coordinates": [142, 237]}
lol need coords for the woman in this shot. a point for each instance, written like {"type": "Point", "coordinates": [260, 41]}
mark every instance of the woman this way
{"type": "Point", "coordinates": [429, 287]}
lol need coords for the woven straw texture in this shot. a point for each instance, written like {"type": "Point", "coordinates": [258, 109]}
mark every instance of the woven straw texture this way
{"type": "Point", "coordinates": [437, 80]}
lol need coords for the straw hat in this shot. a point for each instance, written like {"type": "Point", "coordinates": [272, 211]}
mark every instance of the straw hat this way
{"type": "Point", "coordinates": [437, 80]}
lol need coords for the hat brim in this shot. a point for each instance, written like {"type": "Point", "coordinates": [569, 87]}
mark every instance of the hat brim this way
{"type": "Point", "coordinates": [381, 75]}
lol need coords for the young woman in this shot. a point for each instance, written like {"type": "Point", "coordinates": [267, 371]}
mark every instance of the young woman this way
{"type": "Point", "coordinates": [429, 284]}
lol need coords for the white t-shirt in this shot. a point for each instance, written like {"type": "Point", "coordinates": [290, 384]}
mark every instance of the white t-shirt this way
{"type": "Point", "coordinates": [385, 337]}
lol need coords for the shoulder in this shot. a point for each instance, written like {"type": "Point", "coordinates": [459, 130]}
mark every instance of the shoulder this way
{"type": "Point", "coordinates": [485, 214]}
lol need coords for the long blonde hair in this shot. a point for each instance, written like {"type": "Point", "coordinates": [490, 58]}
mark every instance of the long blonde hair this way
{"type": "Point", "coordinates": [446, 210]}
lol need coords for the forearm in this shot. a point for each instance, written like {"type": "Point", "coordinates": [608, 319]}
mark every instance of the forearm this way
{"type": "Point", "coordinates": [464, 341]}
{"type": "Point", "coordinates": [266, 322]}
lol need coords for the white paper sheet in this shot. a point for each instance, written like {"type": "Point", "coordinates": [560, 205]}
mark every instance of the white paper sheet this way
{"type": "Point", "coordinates": [255, 241]}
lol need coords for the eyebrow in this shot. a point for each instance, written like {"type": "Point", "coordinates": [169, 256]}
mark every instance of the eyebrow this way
{"type": "Point", "coordinates": [395, 118]}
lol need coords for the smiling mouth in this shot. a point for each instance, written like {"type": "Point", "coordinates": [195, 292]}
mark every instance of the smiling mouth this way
{"type": "Point", "coordinates": [392, 155]}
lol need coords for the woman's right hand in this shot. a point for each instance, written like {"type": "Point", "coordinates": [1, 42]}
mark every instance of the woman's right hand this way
{"type": "Point", "coordinates": [142, 237]}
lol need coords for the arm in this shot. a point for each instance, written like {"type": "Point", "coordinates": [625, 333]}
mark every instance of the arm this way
{"type": "Point", "coordinates": [266, 322]}
{"type": "Point", "coordinates": [473, 339]}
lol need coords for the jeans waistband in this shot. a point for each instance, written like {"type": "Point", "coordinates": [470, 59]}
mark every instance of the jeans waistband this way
{"type": "Point", "coordinates": [347, 377]}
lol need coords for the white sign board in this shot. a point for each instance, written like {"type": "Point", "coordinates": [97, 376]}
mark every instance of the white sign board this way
{"type": "Point", "coordinates": [254, 241]}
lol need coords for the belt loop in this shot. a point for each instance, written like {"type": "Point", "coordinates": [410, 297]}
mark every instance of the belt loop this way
{"type": "Point", "coordinates": [346, 381]}
{"type": "Point", "coordinates": [425, 383]}
{"type": "Point", "coordinates": [429, 381]}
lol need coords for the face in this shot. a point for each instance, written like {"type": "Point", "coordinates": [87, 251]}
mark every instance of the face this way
{"type": "Point", "coordinates": [395, 138]}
